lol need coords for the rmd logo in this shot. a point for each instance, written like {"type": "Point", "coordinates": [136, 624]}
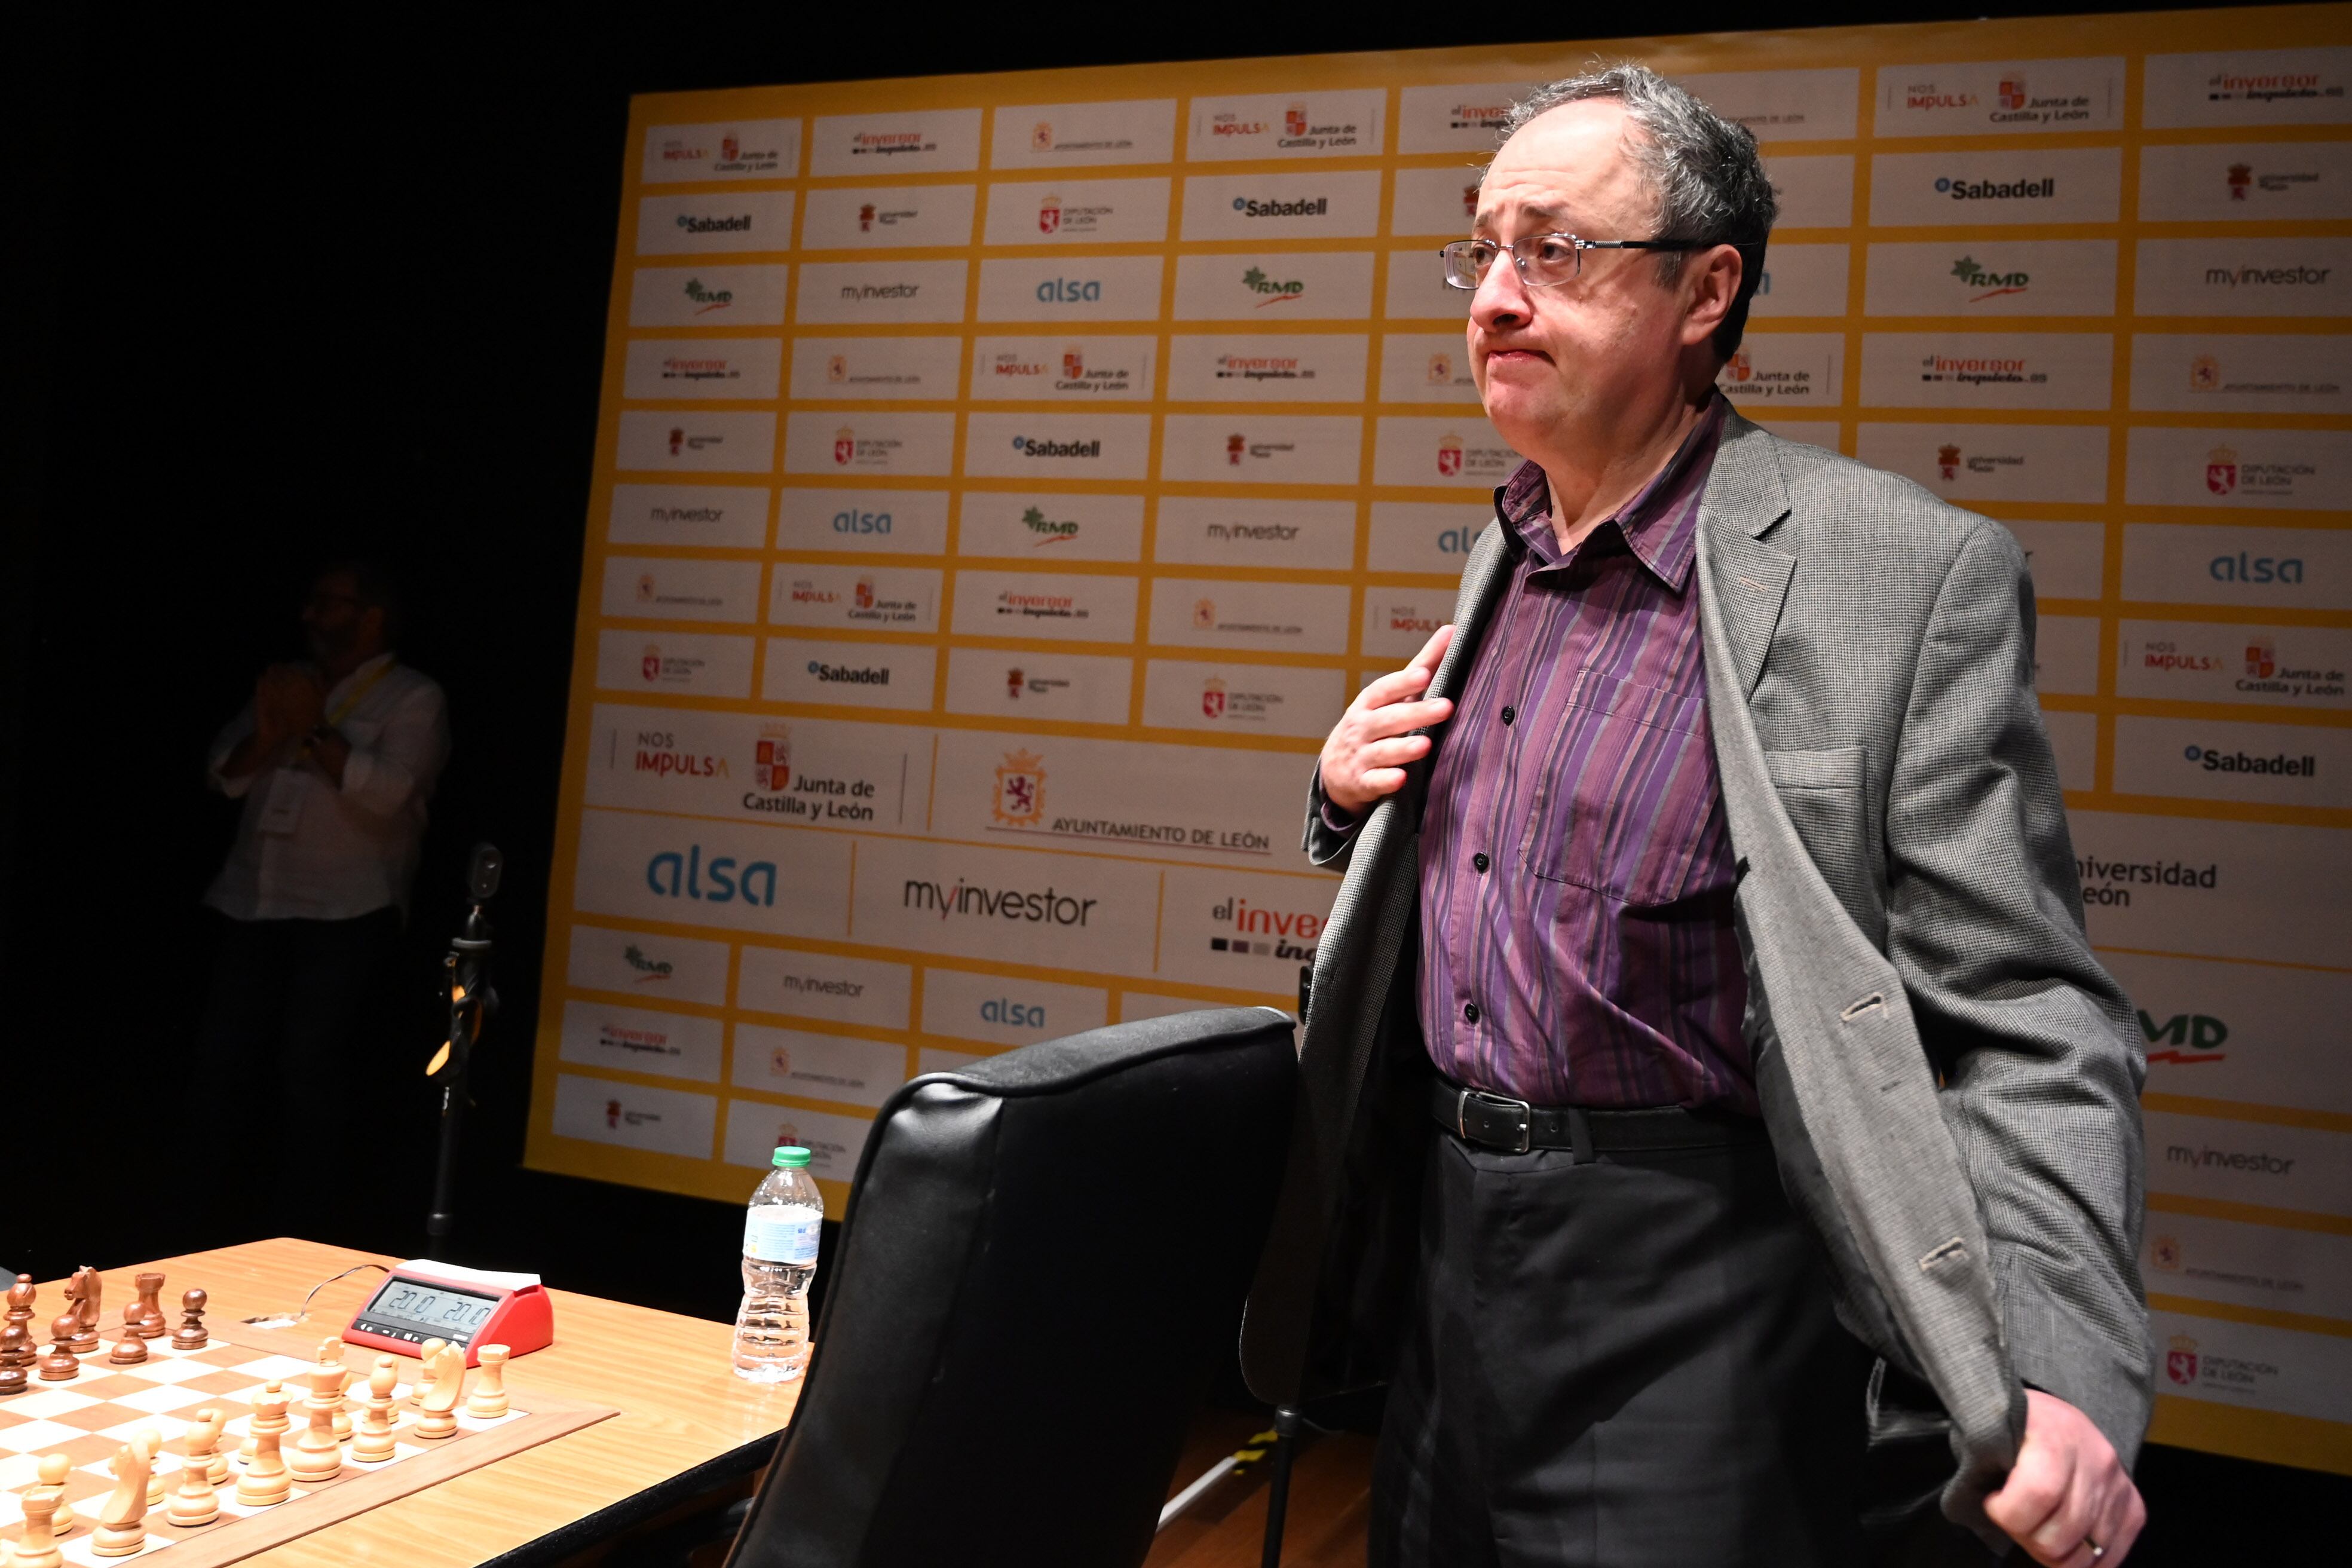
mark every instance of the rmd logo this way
{"type": "Point", "coordinates": [1012, 1015]}
{"type": "Point", "coordinates": [673, 876]}
{"type": "Point", "coordinates": [2187, 1037]}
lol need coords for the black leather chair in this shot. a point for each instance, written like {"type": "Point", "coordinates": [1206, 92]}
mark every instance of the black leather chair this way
{"type": "Point", "coordinates": [1042, 1254]}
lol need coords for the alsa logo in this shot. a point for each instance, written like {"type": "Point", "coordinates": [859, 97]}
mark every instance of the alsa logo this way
{"type": "Point", "coordinates": [1992, 284]}
{"type": "Point", "coordinates": [1011, 1015]}
{"type": "Point", "coordinates": [718, 880]}
{"type": "Point", "coordinates": [2245, 567]}
{"type": "Point", "coordinates": [2186, 1036]}
{"type": "Point", "coordinates": [1019, 799]}
{"type": "Point", "coordinates": [1266, 934]}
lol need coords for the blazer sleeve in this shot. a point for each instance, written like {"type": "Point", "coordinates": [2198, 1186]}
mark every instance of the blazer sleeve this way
{"type": "Point", "coordinates": [2035, 1043]}
{"type": "Point", "coordinates": [1330, 837]}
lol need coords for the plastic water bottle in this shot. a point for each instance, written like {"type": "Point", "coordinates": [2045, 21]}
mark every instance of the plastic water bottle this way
{"type": "Point", "coordinates": [780, 1240]}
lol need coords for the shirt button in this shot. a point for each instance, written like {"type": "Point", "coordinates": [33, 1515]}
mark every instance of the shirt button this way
{"type": "Point", "coordinates": [1470, 1012]}
{"type": "Point", "coordinates": [1509, 714]}
{"type": "Point", "coordinates": [1480, 861]}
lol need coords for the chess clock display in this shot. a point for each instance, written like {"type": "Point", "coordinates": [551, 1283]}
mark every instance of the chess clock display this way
{"type": "Point", "coordinates": [424, 1299]}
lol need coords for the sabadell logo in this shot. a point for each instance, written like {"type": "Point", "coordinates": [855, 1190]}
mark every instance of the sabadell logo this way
{"type": "Point", "coordinates": [1030, 447]}
{"type": "Point", "coordinates": [1305, 206]}
{"type": "Point", "coordinates": [2278, 765]}
{"type": "Point", "coordinates": [1998, 190]}
{"type": "Point", "coordinates": [741, 223]}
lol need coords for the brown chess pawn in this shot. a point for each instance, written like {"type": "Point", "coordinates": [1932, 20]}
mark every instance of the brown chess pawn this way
{"type": "Point", "coordinates": [130, 1352]}
{"type": "Point", "coordinates": [20, 1302]}
{"type": "Point", "coordinates": [191, 1335]}
{"type": "Point", "coordinates": [12, 1380]}
{"type": "Point", "coordinates": [60, 1364]}
{"type": "Point", "coordinates": [151, 1316]}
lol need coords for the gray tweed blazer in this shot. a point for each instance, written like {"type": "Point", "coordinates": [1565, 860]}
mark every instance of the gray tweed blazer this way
{"type": "Point", "coordinates": [1949, 1076]}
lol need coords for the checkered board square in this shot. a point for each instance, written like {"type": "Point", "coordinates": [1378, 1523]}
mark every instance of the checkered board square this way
{"type": "Point", "coordinates": [90, 1416]}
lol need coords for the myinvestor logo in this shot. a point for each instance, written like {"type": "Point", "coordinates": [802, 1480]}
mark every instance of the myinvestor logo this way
{"type": "Point", "coordinates": [1048, 907]}
{"type": "Point", "coordinates": [2257, 1162]}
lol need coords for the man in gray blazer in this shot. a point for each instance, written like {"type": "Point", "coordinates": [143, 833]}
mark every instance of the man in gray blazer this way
{"type": "Point", "coordinates": [1716, 1130]}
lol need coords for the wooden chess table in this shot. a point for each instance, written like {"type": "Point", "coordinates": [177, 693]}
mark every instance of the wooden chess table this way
{"type": "Point", "coordinates": [632, 1414]}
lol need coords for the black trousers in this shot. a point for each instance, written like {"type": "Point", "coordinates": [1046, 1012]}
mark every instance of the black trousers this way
{"type": "Point", "coordinates": [302, 1045]}
{"type": "Point", "coordinates": [1626, 1361]}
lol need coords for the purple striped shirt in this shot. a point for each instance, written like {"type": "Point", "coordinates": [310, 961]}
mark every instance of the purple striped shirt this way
{"type": "Point", "coordinates": [1576, 870]}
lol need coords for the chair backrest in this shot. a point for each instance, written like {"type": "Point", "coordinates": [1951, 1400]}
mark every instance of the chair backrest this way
{"type": "Point", "coordinates": [1041, 1254]}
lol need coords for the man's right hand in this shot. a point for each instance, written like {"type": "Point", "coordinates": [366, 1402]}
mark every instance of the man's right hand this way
{"type": "Point", "coordinates": [1366, 756]}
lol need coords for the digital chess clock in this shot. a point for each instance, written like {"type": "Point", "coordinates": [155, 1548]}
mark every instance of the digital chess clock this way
{"type": "Point", "coordinates": [422, 1299]}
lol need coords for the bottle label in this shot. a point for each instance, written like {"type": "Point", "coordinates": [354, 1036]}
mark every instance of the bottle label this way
{"type": "Point", "coordinates": [774, 1232]}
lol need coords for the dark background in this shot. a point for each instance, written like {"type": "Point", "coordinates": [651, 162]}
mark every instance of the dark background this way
{"type": "Point", "coordinates": [282, 297]}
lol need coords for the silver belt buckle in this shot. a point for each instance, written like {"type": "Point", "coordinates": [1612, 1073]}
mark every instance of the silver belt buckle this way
{"type": "Point", "coordinates": [1504, 1114]}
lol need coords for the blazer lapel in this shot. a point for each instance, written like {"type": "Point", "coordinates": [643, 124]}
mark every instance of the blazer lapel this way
{"type": "Point", "coordinates": [1744, 577]}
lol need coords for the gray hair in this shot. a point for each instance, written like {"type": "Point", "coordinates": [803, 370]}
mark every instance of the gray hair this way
{"type": "Point", "coordinates": [1709, 181]}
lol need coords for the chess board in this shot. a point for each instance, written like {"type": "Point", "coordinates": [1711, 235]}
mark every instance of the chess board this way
{"type": "Point", "coordinates": [91, 1416]}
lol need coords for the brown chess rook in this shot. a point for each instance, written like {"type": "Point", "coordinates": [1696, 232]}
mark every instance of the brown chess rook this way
{"type": "Point", "coordinates": [151, 1316]}
{"type": "Point", "coordinates": [191, 1335]}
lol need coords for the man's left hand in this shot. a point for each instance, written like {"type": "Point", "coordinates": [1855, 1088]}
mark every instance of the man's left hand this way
{"type": "Point", "coordinates": [2067, 1500]}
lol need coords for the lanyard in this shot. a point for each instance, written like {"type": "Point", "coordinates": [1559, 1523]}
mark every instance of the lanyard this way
{"type": "Point", "coordinates": [342, 709]}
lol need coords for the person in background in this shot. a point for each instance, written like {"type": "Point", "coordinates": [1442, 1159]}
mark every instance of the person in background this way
{"type": "Point", "coordinates": [334, 760]}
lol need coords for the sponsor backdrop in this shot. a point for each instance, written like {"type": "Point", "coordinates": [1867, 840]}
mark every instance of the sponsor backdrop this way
{"type": "Point", "coordinates": [1003, 482]}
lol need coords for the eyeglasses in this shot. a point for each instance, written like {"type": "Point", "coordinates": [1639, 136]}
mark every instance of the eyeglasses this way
{"type": "Point", "coordinates": [1544, 260]}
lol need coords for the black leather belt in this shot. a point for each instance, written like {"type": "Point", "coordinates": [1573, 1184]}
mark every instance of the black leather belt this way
{"type": "Point", "coordinates": [1498, 1121]}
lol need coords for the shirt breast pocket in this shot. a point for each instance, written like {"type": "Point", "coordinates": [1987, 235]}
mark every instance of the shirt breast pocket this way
{"type": "Point", "coordinates": [1626, 802]}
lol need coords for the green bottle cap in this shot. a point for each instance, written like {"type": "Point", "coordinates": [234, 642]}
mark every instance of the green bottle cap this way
{"type": "Point", "coordinates": [791, 1157]}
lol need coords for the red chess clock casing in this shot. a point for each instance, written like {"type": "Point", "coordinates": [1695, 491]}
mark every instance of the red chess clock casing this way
{"type": "Point", "coordinates": [424, 1299]}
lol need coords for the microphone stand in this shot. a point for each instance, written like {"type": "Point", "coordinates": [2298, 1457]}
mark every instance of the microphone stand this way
{"type": "Point", "coordinates": [471, 1003]}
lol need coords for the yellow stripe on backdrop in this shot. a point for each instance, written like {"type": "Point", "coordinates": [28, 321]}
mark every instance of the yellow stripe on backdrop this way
{"type": "Point", "coordinates": [1002, 481]}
